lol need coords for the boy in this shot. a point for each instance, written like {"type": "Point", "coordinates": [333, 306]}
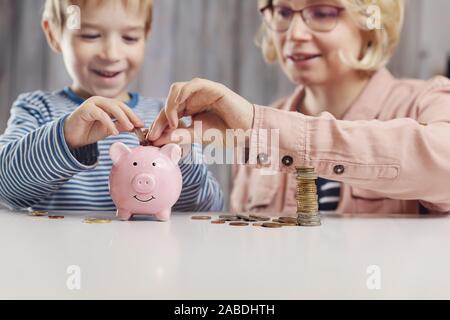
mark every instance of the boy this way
{"type": "Point", "coordinates": [54, 154]}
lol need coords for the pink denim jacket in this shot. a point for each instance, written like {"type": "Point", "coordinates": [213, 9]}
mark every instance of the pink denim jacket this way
{"type": "Point", "coordinates": [391, 151]}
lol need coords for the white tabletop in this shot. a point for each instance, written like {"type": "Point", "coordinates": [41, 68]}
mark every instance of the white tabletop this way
{"type": "Point", "coordinates": [187, 259]}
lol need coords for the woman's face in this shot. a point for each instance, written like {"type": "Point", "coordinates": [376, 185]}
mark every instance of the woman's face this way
{"type": "Point", "coordinates": [311, 57]}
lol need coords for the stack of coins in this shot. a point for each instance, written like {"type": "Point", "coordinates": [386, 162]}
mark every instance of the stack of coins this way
{"type": "Point", "coordinates": [307, 199]}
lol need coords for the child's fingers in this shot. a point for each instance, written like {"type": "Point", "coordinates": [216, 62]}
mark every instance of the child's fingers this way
{"type": "Point", "coordinates": [98, 114]}
{"type": "Point", "coordinates": [114, 109]}
{"type": "Point", "coordinates": [138, 123]}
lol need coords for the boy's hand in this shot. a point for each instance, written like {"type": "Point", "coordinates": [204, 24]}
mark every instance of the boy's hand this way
{"type": "Point", "coordinates": [93, 121]}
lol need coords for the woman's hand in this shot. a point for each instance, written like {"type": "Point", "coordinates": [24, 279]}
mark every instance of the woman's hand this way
{"type": "Point", "coordinates": [92, 121]}
{"type": "Point", "coordinates": [212, 103]}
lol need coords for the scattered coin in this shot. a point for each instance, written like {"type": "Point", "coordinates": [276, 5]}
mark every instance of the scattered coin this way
{"type": "Point", "coordinates": [246, 218]}
{"type": "Point", "coordinates": [238, 224]}
{"type": "Point", "coordinates": [258, 224]}
{"type": "Point", "coordinates": [287, 220]}
{"type": "Point", "coordinates": [229, 217]}
{"type": "Point", "coordinates": [39, 213]}
{"type": "Point", "coordinates": [96, 221]}
{"type": "Point", "coordinates": [201, 218]}
{"type": "Point", "coordinates": [220, 221]}
{"type": "Point", "coordinates": [56, 217]}
{"type": "Point", "coordinates": [226, 216]}
{"type": "Point", "coordinates": [271, 225]}
{"type": "Point", "coordinates": [259, 218]}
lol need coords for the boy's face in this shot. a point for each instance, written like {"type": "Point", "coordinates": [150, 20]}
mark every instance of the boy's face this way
{"type": "Point", "coordinates": [105, 55]}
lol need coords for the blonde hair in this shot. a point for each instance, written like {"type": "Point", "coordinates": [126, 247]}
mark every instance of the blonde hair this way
{"type": "Point", "coordinates": [380, 43]}
{"type": "Point", "coordinates": [55, 10]}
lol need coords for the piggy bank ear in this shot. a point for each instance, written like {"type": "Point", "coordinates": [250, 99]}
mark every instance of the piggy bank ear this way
{"type": "Point", "coordinates": [117, 151]}
{"type": "Point", "coordinates": [173, 151]}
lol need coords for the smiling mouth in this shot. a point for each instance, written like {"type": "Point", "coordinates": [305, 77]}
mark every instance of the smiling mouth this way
{"type": "Point", "coordinates": [148, 200]}
{"type": "Point", "coordinates": [300, 57]}
{"type": "Point", "coordinates": [106, 74]}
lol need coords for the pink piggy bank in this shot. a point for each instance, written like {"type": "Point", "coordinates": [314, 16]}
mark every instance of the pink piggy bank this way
{"type": "Point", "coordinates": [145, 180]}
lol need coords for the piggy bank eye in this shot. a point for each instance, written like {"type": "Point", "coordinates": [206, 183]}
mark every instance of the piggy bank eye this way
{"type": "Point", "coordinates": [154, 164]}
{"type": "Point", "coordinates": [135, 164]}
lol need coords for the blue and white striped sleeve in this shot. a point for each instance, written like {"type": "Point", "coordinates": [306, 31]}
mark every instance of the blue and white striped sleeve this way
{"type": "Point", "coordinates": [201, 192]}
{"type": "Point", "coordinates": [34, 157]}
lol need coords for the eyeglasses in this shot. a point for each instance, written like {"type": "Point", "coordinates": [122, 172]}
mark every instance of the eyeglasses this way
{"type": "Point", "coordinates": [321, 18]}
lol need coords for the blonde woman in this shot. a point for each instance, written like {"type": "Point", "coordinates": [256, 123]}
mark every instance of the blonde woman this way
{"type": "Point", "coordinates": [379, 144]}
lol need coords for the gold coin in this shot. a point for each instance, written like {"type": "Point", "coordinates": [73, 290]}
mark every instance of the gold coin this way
{"type": "Point", "coordinates": [302, 191]}
{"type": "Point", "coordinates": [259, 218]}
{"type": "Point", "coordinates": [305, 189]}
{"type": "Point", "coordinates": [308, 204]}
{"type": "Point", "coordinates": [309, 220]}
{"type": "Point", "coordinates": [271, 225]}
{"type": "Point", "coordinates": [201, 218]}
{"type": "Point", "coordinates": [39, 213]}
{"type": "Point", "coordinates": [96, 220]}
{"type": "Point", "coordinates": [257, 224]}
{"type": "Point", "coordinates": [308, 208]}
{"type": "Point", "coordinates": [231, 219]}
{"type": "Point", "coordinates": [238, 224]}
{"type": "Point", "coordinates": [310, 224]}
{"type": "Point", "coordinates": [307, 199]}
{"type": "Point", "coordinates": [227, 216]}
{"type": "Point", "coordinates": [288, 219]}
{"type": "Point", "coordinates": [220, 221]}
{"type": "Point", "coordinates": [306, 193]}
{"type": "Point", "coordinates": [56, 217]}
{"type": "Point", "coordinates": [306, 175]}
{"type": "Point", "coordinates": [308, 212]}
{"type": "Point", "coordinates": [246, 218]}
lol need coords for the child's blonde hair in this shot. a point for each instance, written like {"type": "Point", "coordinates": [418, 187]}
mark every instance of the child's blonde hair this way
{"type": "Point", "coordinates": [381, 43]}
{"type": "Point", "coordinates": [55, 11]}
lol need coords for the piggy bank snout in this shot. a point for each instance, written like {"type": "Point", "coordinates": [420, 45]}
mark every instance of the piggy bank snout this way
{"type": "Point", "coordinates": [144, 183]}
